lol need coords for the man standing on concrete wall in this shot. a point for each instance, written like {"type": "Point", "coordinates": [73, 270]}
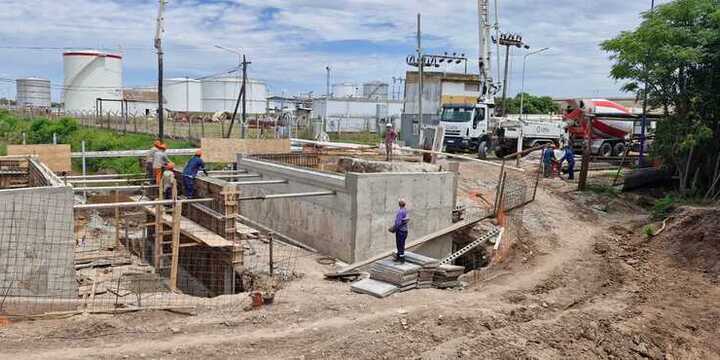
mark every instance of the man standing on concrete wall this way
{"type": "Point", "coordinates": [390, 137]}
{"type": "Point", "coordinates": [401, 230]}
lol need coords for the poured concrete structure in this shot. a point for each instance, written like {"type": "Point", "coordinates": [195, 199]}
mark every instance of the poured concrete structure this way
{"type": "Point", "coordinates": [352, 224]}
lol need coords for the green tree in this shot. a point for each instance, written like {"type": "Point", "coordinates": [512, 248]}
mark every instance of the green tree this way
{"type": "Point", "coordinates": [676, 50]}
{"type": "Point", "coordinates": [531, 104]}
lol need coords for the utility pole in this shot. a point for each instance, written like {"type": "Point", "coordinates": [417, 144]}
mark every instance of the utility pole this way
{"type": "Point", "coordinates": [421, 67]}
{"type": "Point", "coordinates": [509, 40]}
{"type": "Point", "coordinates": [643, 121]}
{"type": "Point", "coordinates": [322, 135]}
{"type": "Point", "coordinates": [245, 64]}
{"type": "Point", "coordinates": [159, 30]}
{"type": "Point", "coordinates": [242, 64]}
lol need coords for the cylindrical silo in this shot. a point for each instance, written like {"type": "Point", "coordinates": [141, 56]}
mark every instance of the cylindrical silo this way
{"type": "Point", "coordinates": [33, 92]}
{"type": "Point", "coordinates": [90, 75]}
{"type": "Point", "coordinates": [375, 90]}
{"type": "Point", "coordinates": [345, 90]}
{"type": "Point", "coordinates": [183, 94]}
{"type": "Point", "coordinates": [221, 93]}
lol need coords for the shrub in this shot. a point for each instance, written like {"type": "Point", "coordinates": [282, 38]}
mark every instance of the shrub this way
{"type": "Point", "coordinates": [663, 207]}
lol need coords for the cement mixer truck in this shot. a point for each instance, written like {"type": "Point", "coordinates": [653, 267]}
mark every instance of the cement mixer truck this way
{"type": "Point", "coordinates": [614, 127]}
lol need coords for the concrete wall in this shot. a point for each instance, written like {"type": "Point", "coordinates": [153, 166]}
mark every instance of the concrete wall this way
{"type": "Point", "coordinates": [430, 200]}
{"type": "Point", "coordinates": [37, 246]}
{"type": "Point", "coordinates": [323, 223]}
{"type": "Point", "coordinates": [352, 224]}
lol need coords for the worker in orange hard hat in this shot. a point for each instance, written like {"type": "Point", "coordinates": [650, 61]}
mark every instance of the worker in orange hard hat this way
{"type": "Point", "coordinates": [149, 159]}
{"type": "Point", "coordinates": [168, 180]}
{"type": "Point", "coordinates": [160, 159]}
{"type": "Point", "coordinates": [190, 173]}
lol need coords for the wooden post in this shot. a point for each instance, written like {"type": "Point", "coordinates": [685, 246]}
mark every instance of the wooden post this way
{"type": "Point", "coordinates": [177, 213]}
{"type": "Point", "coordinates": [158, 231]}
{"type": "Point", "coordinates": [270, 254]}
{"type": "Point", "coordinates": [117, 221]}
{"type": "Point", "coordinates": [587, 153]}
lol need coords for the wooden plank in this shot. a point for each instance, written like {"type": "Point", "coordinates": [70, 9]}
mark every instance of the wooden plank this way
{"type": "Point", "coordinates": [432, 236]}
{"type": "Point", "coordinates": [56, 157]}
{"type": "Point", "coordinates": [176, 215]}
{"type": "Point", "coordinates": [191, 229]}
{"type": "Point", "coordinates": [226, 150]}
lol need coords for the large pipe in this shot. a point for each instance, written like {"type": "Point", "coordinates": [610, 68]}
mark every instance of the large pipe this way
{"type": "Point", "coordinates": [108, 176]}
{"type": "Point", "coordinates": [132, 204]}
{"type": "Point", "coordinates": [286, 196]}
{"type": "Point", "coordinates": [235, 176]}
{"type": "Point", "coordinates": [260, 182]}
{"type": "Point", "coordinates": [115, 188]}
{"type": "Point", "coordinates": [106, 181]}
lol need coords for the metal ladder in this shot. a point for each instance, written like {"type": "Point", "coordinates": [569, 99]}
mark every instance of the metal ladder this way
{"type": "Point", "coordinates": [487, 236]}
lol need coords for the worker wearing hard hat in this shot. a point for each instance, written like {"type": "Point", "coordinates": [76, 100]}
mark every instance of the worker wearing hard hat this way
{"type": "Point", "coordinates": [190, 173]}
{"type": "Point", "coordinates": [167, 182]}
{"type": "Point", "coordinates": [160, 160]}
{"type": "Point", "coordinates": [149, 158]}
{"type": "Point", "coordinates": [390, 138]}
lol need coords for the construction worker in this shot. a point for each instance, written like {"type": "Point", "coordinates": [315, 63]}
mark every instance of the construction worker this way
{"type": "Point", "coordinates": [390, 138]}
{"type": "Point", "coordinates": [400, 228]}
{"type": "Point", "coordinates": [570, 158]}
{"type": "Point", "coordinates": [548, 155]}
{"type": "Point", "coordinates": [190, 173]}
{"type": "Point", "coordinates": [168, 181]}
{"type": "Point", "coordinates": [149, 157]}
{"type": "Point", "coordinates": [160, 160]}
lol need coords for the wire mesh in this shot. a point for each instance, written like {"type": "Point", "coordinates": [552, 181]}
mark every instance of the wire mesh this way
{"type": "Point", "coordinates": [54, 258]}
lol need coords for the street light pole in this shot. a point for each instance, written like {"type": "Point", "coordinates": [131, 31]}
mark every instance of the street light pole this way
{"type": "Point", "coordinates": [522, 92]}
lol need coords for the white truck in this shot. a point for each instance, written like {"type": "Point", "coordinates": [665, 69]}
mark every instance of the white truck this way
{"type": "Point", "coordinates": [473, 128]}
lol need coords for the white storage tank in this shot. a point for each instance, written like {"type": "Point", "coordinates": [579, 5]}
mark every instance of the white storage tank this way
{"type": "Point", "coordinates": [183, 94]}
{"type": "Point", "coordinates": [220, 94]}
{"type": "Point", "coordinates": [376, 90]}
{"type": "Point", "coordinates": [33, 92]}
{"type": "Point", "coordinates": [90, 75]}
{"type": "Point", "coordinates": [345, 90]}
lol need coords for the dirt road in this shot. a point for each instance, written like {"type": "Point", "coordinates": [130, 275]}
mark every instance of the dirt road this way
{"type": "Point", "coordinates": [587, 285]}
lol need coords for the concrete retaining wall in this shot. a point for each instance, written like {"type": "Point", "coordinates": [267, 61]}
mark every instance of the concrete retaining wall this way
{"type": "Point", "coordinates": [352, 224]}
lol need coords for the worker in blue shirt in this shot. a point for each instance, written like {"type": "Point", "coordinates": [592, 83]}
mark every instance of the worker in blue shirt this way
{"type": "Point", "coordinates": [190, 172]}
{"type": "Point", "coordinates": [400, 228]}
{"type": "Point", "coordinates": [570, 158]}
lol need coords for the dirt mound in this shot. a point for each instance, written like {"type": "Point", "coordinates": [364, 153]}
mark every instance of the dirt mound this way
{"type": "Point", "coordinates": [369, 166]}
{"type": "Point", "coordinates": [693, 238]}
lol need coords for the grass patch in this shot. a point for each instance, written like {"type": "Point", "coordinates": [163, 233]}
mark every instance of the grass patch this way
{"type": "Point", "coordinates": [605, 190]}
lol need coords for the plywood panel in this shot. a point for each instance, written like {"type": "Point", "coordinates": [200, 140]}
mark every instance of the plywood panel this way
{"type": "Point", "coordinates": [226, 150]}
{"type": "Point", "coordinates": [56, 157]}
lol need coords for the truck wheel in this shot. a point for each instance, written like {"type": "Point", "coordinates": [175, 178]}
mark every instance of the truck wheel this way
{"type": "Point", "coordinates": [619, 149]}
{"type": "Point", "coordinates": [482, 150]}
{"type": "Point", "coordinates": [606, 149]}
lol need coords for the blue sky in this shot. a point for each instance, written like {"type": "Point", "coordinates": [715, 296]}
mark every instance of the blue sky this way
{"type": "Point", "coordinates": [291, 41]}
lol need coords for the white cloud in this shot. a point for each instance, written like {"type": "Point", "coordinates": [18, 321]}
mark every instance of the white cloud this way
{"type": "Point", "coordinates": [291, 51]}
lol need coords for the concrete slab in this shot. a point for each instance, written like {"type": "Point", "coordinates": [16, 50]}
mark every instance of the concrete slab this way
{"type": "Point", "coordinates": [373, 287]}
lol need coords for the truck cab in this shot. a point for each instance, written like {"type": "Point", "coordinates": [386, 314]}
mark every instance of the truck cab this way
{"type": "Point", "coordinates": [466, 126]}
